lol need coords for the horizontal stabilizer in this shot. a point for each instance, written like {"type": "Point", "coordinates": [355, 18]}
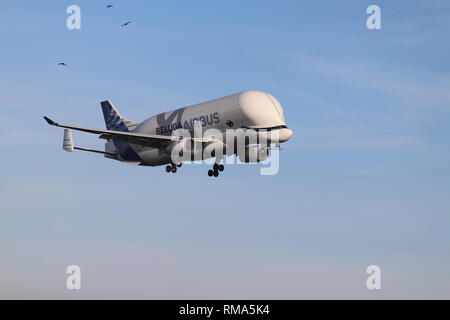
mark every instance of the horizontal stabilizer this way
{"type": "Point", "coordinates": [96, 151]}
{"type": "Point", "coordinates": [68, 144]}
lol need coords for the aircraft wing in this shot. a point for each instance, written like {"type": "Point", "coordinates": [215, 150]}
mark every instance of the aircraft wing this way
{"type": "Point", "coordinates": [150, 140]}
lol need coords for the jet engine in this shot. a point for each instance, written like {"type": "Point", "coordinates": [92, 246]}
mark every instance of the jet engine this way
{"type": "Point", "coordinates": [184, 150]}
{"type": "Point", "coordinates": [180, 147]}
{"type": "Point", "coordinates": [254, 154]}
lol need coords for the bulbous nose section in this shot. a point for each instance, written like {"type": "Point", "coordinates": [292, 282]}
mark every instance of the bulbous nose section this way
{"type": "Point", "coordinates": [284, 134]}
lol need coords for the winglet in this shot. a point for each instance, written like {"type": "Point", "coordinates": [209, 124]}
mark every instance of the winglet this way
{"type": "Point", "coordinates": [50, 121]}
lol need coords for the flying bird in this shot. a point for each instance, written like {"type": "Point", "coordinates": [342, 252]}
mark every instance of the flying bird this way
{"type": "Point", "coordinates": [109, 6]}
{"type": "Point", "coordinates": [62, 64]}
{"type": "Point", "coordinates": [126, 23]}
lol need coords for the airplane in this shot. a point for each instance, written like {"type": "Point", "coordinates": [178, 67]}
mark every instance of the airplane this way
{"type": "Point", "coordinates": [154, 141]}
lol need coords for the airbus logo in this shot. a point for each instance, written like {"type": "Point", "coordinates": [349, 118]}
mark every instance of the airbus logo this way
{"type": "Point", "coordinates": [165, 128]}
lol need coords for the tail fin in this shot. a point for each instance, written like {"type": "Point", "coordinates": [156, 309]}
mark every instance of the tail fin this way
{"type": "Point", "coordinates": [113, 119]}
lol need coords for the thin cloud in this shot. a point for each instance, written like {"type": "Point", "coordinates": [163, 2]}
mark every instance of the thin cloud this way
{"type": "Point", "coordinates": [414, 87]}
{"type": "Point", "coordinates": [371, 143]}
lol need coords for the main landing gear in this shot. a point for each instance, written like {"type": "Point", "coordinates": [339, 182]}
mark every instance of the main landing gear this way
{"type": "Point", "coordinates": [216, 169]}
{"type": "Point", "coordinates": [173, 167]}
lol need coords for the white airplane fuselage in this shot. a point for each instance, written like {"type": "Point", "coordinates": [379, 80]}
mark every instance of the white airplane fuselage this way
{"type": "Point", "coordinates": [248, 109]}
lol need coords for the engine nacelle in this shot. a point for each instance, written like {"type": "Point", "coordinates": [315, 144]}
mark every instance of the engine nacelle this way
{"type": "Point", "coordinates": [184, 150]}
{"type": "Point", "coordinates": [254, 154]}
{"type": "Point", "coordinates": [180, 147]}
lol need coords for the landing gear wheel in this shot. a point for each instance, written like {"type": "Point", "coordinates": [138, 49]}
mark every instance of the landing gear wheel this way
{"type": "Point", "coordinates": [221, 167]}
{"type": "Point", "coordinates": [210, 173]}
{"type": "Point", "coordinates": [179, 165]}
{"type": "Point", "coordinates": [216, 173]}
{"type": "Point", "coordinates": [169, 169]}
{"type": "Point", "coordinates": [215, 166]}
{"type": "Point", "coordinates": [174, 169]}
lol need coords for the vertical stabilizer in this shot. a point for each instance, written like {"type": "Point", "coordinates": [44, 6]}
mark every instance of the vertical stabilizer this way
{"type": "Point", "coordinates": [113, 119]}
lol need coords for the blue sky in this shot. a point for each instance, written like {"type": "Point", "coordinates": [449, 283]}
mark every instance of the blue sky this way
{"type": "Point", "coordinates": [364, 180]}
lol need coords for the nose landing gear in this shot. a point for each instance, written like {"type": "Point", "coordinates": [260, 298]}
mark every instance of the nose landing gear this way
{"type": "Point", "coordinates": [216, 169]}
